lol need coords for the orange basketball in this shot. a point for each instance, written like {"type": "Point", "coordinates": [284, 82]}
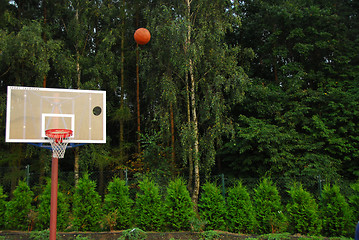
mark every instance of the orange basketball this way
{"type": "Point", "coordinates": [142, 36]}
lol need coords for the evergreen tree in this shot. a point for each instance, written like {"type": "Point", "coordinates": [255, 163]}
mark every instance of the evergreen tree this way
{"type": "Point", "coordinates": [268, 207]}
{"type": "Point", "coordinates": [354, 201]}
{"type": "Point", "coordinates": [2, 207]}
{"type": "Point", "coordinates": [118, 205]}
{"type": "Point", "coordinates": [178, 206]}
{"type": "Point", "coordinates": [18, 208]}
{"type": "Point", "coordinates": [303, 212]}
{"type": "Point", "coordinates": [335, 211]}
{"type": "Point", "coordinates": [212, 207]}
{"type": "Point", "coordinates": [44, 209]}
{"type": "Point", "coordinates": [241, 215]}
{"type": "Point", "coordinates": [149, 207]}
{"type": "Point", "coordinates": [87, 207]}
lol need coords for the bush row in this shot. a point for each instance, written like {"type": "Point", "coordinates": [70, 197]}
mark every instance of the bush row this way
{"type": "Point", "coordinates": [241, 212]}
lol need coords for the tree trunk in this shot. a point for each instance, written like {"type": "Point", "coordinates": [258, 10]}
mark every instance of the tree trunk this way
{"type": "Point", "coordinates": [122, 92]}
{"type": "Point", "coordinates": [78, 71]}
{"type": "Point", "coordinates": [190, 159]}
{"type": "Point", "coordinates": [194, 121]}
{"type": "Point", "coordinates": [173, 154]}
{"type": "Point", "coordinates": [138, 101]}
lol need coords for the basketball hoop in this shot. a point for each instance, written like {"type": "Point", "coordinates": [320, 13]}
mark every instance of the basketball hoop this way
{"type": "Point", "coordinates": [59, 140]}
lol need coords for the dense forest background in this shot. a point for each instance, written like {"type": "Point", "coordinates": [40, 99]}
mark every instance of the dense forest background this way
{"type": "Point", "coordinates": [241, 88]}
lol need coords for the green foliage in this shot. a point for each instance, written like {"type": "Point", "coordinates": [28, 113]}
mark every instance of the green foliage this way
{"type": "Point", "coordinates": [241, 213]}
{"type": "Point", "coordinates": [178, 206]}
{"type": "Point", "coordinates": [40, 235]}
{"type": "Point", "coordinates": [149, 207]}
{"type": "Point", "coordinates": [210, 235]}
{"type": "Point", "coordinates": [2, 207]}
{"type": "Point", "coordinates": [354, 200]}
{"type": "Point", "coordinates": [267, 203]}
{"type": "Point", "coordinates": [80, 237]}
{"type": "Point", "coordinates": [335, 212]}
{"type": "Point", "coordinates": [302, 212]}
{"type": "Point", "coordinates": [133, 234]}
{"type": "Point", "coordinates": [118, 205]}
{"type": "Point", "coordinates": [86, 209]}
{"type": "Point", "coordinates": [44, 209]}
{"type": "Point", "coordinates": [212, 207]}
{"type": "Point", "coordinates": [19, 207]}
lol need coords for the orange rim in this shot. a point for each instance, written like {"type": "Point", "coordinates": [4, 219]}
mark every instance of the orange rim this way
{"type": "Point", "coordinates": [58, 133]}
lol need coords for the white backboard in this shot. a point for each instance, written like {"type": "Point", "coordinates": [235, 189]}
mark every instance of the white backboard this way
{"type": "Point", "coordinates": [31, 111]}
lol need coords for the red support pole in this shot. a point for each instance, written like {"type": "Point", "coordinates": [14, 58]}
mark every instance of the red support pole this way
{"type": "Point", "coordinates": [53, 208]}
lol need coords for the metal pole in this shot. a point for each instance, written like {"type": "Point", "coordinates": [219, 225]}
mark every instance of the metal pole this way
{"type": "Point", "coordinates": [28, 175]}
{"type": "Point", "coordinates": [53, 208]}
{"type": "Point", "coordinates": [223, 187]}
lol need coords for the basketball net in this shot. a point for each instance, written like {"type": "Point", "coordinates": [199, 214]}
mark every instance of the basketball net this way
{"type": "Point", "coordinates": [59, 138]}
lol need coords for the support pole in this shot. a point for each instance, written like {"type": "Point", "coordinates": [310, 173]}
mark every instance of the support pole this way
{"type": "Point", "coordinates": [53, 207]}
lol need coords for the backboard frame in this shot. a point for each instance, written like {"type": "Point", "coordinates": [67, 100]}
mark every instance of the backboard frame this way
{"type": "Point", "coordinates": [91, 99]}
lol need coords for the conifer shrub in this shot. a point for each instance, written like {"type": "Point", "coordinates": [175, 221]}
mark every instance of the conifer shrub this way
{"type": "Point", "coordinates": [118, 205]}
{"type": "Point", "coordinates": [240, 210]}
{"type": "Point", "coordinates": [86, 210]}
{"type": "Point", "coordinates": [178, 206]}
{"type": "Point", "coordinates": [149, 207]}
{"type": "Point", "coordinates": [354, 201]}
{"type": "Point", "coordinates": [268, 206]}
{"type": "Point", "coordinates": [335, 212]}
{"type": "Point", "coordinates": [212, 207]}
{"type": "Point", "coordinates": [45, 205]}
{"type": "Point", "coordinates": [19, 208]}
{"type": "Point", "coordinates": [3, 197]}
{"type": "Point", "coordinates": [302, 212]}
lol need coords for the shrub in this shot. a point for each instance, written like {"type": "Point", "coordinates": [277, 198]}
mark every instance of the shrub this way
{"type": "Point", "coordinates": [268, 207]}
{"type": "Point", "coordinates": [18, 209]}
{"type": "Point", "coordinates": [241, 214]}
{"type": "Point", "coordinates": [303, 213]}
{"type": "Point", "coordinates": [149, 206]}
{"type": "Point", "coordinates": [210, 235]}
{"type": "Point", "coordinates": [86, 206]}
{"type": "Point", "coordinates": [44, 209]}
{"type": "Point", "coordinates": [133, 234]}
{"type": "Point", "coordinates": [354, 201]}
{"type": "Point", "coordinates": [2, 207]}
{"type": "Point", "coordinates": [212, 207]}
{"type": "Point", "coordinates": [335, 212]}
{"type": "Point", "coordinates": [178, 206]}
{"type": "Point", "coordinates": [118, 205]}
